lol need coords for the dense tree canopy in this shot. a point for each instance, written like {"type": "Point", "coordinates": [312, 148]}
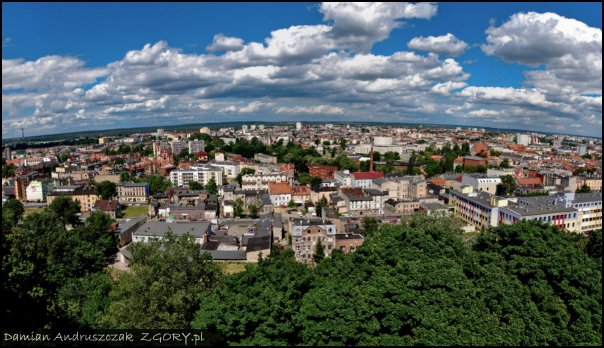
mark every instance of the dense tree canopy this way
{"type": "Point", "coordinates": [420, 283]}
{"type": "Point", "coordinates": [162, 289]}
{"type": "Point", "coordinates": [106, 189]}
{"type": "Point", "coordinates": [194, 185]}
{"type": "Point", "coordinates": [66, 209]}
{"type": "Point", "coordinates": [507, 186]}
{"type": "Point", "coordinates": [42, 257]}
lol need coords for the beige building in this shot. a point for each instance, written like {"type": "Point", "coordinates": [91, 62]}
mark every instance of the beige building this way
{"type": "Point", "coordinates": [590, 207]}
{"type": "Point", "coordinates": [132, 193]}
{"type": "Point", "coordinates": [307, 233]}
{"type": "Point", "coordinates": [594, 183]}
{"type": "Point", "coordinates": [402, 207]}
{"type": "Point", "coordinates": [406, 188]}
{"type": "Point", "coordinates": [86, 195]}
{"type": "Point", "coordinates": [479, 209]}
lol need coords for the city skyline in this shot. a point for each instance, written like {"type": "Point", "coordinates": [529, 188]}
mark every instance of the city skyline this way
{"type": "Point", "coordinates": [535, 67]}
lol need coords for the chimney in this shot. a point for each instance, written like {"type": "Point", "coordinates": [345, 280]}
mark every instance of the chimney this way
{"type": "Point", "coordinates": [371, 159]}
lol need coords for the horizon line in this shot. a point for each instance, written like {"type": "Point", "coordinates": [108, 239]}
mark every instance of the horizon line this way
{"type": "Point", "coordinates": [15, 139]}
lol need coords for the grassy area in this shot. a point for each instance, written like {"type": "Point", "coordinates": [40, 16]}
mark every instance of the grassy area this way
{"type": "Point", "coordinates": [232, 267]}
{"type": "Point", "coordinates": [134, 211]}
{"type": "Point", "coordinates": [31, 210]}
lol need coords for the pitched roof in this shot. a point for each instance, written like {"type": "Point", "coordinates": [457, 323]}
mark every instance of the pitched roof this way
{"type": "Point", "coordinates": [279, 188]}
{"type": "Point", "coordinates": [367, 175]}
{"type": "Point", "coordinates": [106, 205]}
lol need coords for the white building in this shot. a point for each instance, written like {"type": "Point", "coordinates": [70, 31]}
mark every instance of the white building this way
{"type": "Point", "coordinates": [343, 177]}
{"type": "Point", "coordinates": [382, 141]}
{"type": "Point", "coordinates": [523, 139]}
{"type": "Point", "coordinates": [363, 149]}
{"type": "Point", "coordinates": [365, 179]}
{"type": "Point", "coordinates": [298, 125]}
{"type": "Point", "coordinates": [157, 230]}
{"type": "Point", "coordinates": [200, 174]}
{"type": "Point", "coordinates": [259, 181]}
{"type": "Point", "coordinates": [36, 191]}
{"type": "Point", "coordinates": [364, 202]}
{"type": "Point", "coordinates": [229, 168]}
{"type": "Point", "coordinates": [481, 183]}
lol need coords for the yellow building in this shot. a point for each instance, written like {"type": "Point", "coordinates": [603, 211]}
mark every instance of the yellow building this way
{"type": "Point", "coordinates": [590, 206]}
{"type": "Point", "coordinates": [86, 195]}
{"type": "Point", "coordinates": [479, 209]}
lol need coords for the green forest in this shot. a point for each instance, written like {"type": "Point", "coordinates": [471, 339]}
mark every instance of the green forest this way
{"type": "Point", "coordinates": [418, 283]}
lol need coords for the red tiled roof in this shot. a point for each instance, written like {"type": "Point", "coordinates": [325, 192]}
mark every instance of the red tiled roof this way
{"type": "Point", "coordinates": [106, 205]}
{"type": "Point", "coordinates": [368, 175]}
{"type": "Point", "coordinates": [280, 188]}
{"type": "Point", "coordinates": [438, 181]}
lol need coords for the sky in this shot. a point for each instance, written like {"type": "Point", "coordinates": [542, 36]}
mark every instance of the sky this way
{"type": "Point", "coordinates": [87, 66]}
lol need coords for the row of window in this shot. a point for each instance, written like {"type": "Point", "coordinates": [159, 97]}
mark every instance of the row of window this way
{"type": "Point", "coordinates": [587, 204]}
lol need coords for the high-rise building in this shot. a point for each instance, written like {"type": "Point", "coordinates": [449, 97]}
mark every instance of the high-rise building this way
{"type": "Point", "coordinates": [178, 146]}
{"type": "Point", "coordinates": [160, 132]}
{"type": "Point", "coordinates": [200, 174]}
{"type": "Point", "coordinates": [523, 139]}
{"type": "Point", "coordinates": [196, 146]}
{"type": "Point", "coordinates": [298, 125]}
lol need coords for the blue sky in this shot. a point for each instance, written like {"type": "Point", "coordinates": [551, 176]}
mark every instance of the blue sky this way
{"type": "Point", "coordinates": [60, 57]}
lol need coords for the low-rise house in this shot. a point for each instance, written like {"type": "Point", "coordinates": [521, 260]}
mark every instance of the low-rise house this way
{"type": "Point", "coordinates": [280, 194]}
{"type": "Point", "coordinates": [159, 229]}
{"type": "Point", "coordinates": [433, 209]}
{"type": "Point", "coordinates": [124, 229]}
{"type": "Point", "coordinates": [109, 207]}
{"type": "Point", "coordinates": [300, 194]}
{"type": "Point", "coordinates": [178, 212]}
{"type": "Point", "coordinates": [401, 207]}
{"type": "Point", "coordinates": [348, 242]}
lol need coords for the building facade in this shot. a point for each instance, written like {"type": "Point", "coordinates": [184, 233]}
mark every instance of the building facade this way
{"type": "Point", "coordinates": [200, 174]}
{"type": "Point", "coordinates": [305, 235]}
{"type": "Point", "coordinates": [133, 193]}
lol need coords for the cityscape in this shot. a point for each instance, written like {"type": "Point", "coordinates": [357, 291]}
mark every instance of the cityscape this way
{"type": "Point", "coordinates": [323, 187]}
